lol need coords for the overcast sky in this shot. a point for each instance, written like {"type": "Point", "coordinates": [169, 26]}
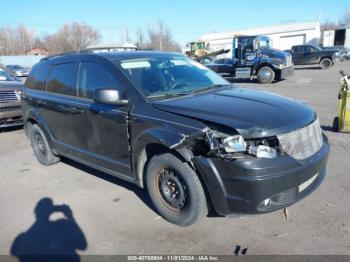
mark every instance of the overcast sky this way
{"type": "Point", "coordinates": [187, 19]}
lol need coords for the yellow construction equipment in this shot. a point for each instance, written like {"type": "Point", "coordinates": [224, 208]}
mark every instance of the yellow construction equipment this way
{"type": "Point", "coordinates": [197, 49]}
{"type": "Point", "coordinates": [342, 123]}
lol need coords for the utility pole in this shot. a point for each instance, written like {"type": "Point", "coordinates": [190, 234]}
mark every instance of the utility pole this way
{"type": "Point", "coordinates": [160, 36]}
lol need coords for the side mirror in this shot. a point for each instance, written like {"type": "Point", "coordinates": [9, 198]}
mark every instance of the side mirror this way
{"type": "Point", "coordinates": [109, 96]}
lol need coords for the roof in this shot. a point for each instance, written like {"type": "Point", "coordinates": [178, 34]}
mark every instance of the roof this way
{"type": "Point", "coordinates": [113, 45]}
{"type": "Point", "coordinates": [117, 55]}
{"type": "Point", "coordinates": [283, 28]}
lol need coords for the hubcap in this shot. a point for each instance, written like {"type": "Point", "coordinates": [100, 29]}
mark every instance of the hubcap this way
{"type": "Point", "coordinates": [40, 145]}
{"type": "Point", "coordinates": [172, 189]}
{"type": "Point", "coordinates": [265, 74]}
{"type": "Point", "coordinates": [326, 63]}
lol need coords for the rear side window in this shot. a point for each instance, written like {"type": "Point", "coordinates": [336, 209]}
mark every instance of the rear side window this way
{"type": "Point", "coordinates": [62, 79]}
{"type": "Point", "coordinates": [37, 77]}
{"type": "Point", "coordinates": [93, 76]}
{"type": "Point", "coordinates": [299, 49]}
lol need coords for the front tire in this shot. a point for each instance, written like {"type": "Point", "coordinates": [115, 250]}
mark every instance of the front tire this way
{"type": "Point", "coordinates": [175, 190]}
{"type": "Point", "coordinates": [326, 63]}
{"type": "Point", "coordinates": [266, 75]}
{"type": "Point", "coordinates": [41, 147]}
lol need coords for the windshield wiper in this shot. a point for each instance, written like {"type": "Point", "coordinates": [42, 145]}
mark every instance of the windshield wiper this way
{"type": "Point", "coordinates": [208, 88]}
{"type": "Point", "coordinates": [168, 95]}
{"type": "Point", "coordinates": [188, 93]}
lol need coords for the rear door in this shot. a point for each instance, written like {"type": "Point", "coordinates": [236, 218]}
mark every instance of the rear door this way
{"type": "Point", "coordinates": [297, 54]}
{"type": "Point", "coordinates": [58, 104]}
{"type": "Point", "coordinates": [101, 130]}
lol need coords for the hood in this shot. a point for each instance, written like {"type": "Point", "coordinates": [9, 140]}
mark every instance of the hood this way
{"type": "Point", "coordinates": [254, 114]}
{"type": "Point", "coordinates": [274, 53]}
{"type": "Point", "coordinates": [10, 85]}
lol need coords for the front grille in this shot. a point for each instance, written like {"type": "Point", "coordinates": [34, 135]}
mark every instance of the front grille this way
{"type": "Point", "coordinates": [289, 61]}
{"type": "Point", "coordinates": [8, 96]}
{"type": "Point", "coordinates": [10, 108]}
{"type": "Point", "coordinates": [304, 142]}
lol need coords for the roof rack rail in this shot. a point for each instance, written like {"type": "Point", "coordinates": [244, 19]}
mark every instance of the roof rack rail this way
{"type": "Point", "coordinates": [91, 50]}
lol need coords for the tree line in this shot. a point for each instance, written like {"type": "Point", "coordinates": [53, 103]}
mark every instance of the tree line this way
{"type": "Point", "coordinates": [344, 21]}
{"type": "Point", "coordinates": [18, 40]}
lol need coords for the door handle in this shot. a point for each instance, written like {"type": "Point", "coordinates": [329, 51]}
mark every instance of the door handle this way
{"type": "Point", "coordinates": [41, 103]}
{"type": "Point", "coordinates": [75, 110]}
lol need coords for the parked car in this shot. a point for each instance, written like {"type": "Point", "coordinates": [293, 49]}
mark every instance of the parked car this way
{"type": "Point", "coordinates": [176, 128]}
{"type": "Point", "coordinates": [10, 101]}
{"type": "Point", "coordinates": [17, 70]}
{"type": "Point", "coordinates": [311, 55]}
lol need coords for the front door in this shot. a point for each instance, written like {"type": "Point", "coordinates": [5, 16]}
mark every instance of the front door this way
{"type": "Point", "coordinates": [101, 130]}
{"type": "Point", "coordinates": [310, 55]}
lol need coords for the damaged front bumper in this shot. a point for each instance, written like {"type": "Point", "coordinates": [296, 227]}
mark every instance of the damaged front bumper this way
{"type": "Point", "coordinates": [256, 185]}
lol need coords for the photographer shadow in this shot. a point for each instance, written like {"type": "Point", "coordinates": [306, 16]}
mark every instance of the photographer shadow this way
{"type": "Point", "coordinates": [54, 238]}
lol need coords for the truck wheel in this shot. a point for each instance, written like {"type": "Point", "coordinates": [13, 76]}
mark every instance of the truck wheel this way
{"type": "Point", "coordinates": [175, 190]}
{"type": "Point", "coordinates": [41, 147]}
{"type": "Point", "coordinates": [265, 75]}
{"type": "Point", "coordinates": [325, 63]}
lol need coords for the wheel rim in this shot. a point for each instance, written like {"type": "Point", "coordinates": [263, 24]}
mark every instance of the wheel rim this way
{"type": "Point", "coordinates": [264, 74]}
{"type": "Point", "coordinates": [172, 189]}
{"type": "Point", "coordinates": [39, 145]}
{"type": "Point", "coordinates": [326, 63]}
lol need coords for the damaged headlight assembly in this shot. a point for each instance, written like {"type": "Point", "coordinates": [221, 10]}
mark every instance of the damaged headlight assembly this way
{"type": "Point", "coordinates": [258, 148]}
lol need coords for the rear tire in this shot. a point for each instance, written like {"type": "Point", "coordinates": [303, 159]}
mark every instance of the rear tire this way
{"type": "Point", "coordinates": [175, 190]}
{"type": "Point", "coordinates": [326, 63]}
{"type": "Point", "coordinates": [266, 75]}
{"type": "Point", "coordinates": [41, 147]}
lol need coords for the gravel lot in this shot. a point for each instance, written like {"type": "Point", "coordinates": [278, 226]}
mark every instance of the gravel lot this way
{"type": "Point", "coordinates": [116, 217]}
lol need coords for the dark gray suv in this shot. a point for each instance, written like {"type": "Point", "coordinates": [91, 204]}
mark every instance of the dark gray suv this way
{"type": "Point", "coordinates": [176, 128]}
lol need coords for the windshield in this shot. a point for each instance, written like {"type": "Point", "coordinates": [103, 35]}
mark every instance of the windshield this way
{"type": "Point", "coordinates": [17, 67]}
{"type": "Point", "coordinates": [264, 42]}
{"type": "Point", "coordinates": [169, 76]}
{"type": "Point", "coordinates": [5, 77]}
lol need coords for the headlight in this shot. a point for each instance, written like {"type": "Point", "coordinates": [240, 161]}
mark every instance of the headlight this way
{"type": "Point", "coordinates": [234, 144]}
{"type": "Point", "coordinates": [263, 151]}
{"type": "Point", "coordinates": [18, 94]}
{"type": "Point", "coordinates": [258, 148]}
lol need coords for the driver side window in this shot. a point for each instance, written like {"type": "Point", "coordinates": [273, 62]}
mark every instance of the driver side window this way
{"type": "Point", "coordinates": [309, 49]}
{"type": "Point", "coordinates": [93, 76]}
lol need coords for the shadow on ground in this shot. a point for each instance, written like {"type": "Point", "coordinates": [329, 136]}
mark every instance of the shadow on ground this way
{"type": "Point", "coordinates": [55, 238]}
{"type": "Point", "coordinates": [308, 68]}
{"type": "Point", "coordinates": [10, 129]}
{"type": "Point", "coordinates": [140, 192]}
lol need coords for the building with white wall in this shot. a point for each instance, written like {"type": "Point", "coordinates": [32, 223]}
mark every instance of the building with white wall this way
{"type": "Point", "coordinates": [337, 37]}
{"type": "Point", "coordinates": [283, 36]}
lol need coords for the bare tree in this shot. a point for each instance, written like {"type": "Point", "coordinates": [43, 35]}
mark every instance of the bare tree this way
{"type": "Point", "coordinates": [345, 20]}
{"type": "Point", "coordinates": [140, 38]}
{"type": "Point", "coordinates": [160, 38]}
{"type": "Point", "coordinates": [15, 40]}
{"type": "Point", "coordinates": [70, 37]}
{"type": "Point", "coordinates": [329, 25]}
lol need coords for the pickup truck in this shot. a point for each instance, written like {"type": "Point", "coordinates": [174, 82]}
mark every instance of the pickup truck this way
{"type": "Point", "coordinates": [311, 54]}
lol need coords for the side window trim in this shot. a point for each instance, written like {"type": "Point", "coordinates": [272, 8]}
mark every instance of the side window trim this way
{"type": "Point", "coordinates": [49, 73]}
{"type": "Point", "coordinates": [118, 85]}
